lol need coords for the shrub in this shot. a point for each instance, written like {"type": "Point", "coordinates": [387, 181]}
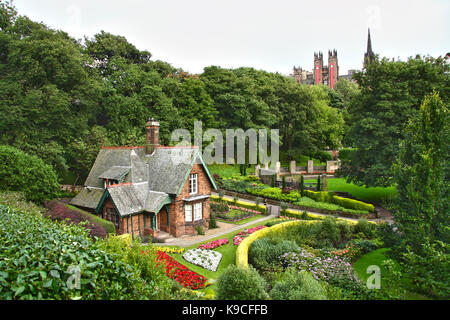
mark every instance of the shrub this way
{"type": "Point", "coordinates": [58, 211]}
{"type": "Point", "coordinates": [263, 253]}
{"type": "Point", "coordinates": [108, 225]}
{"type": "Point", "coordinates": [218, 207]}
{"type": "Point", "coordinates": [330, 230]}
{"type": "Point", "coordinates": [366, 228]}
{"type": "Point", "coordinates": [240, 284]}
{"type": "Point", "coordinates": [22, 172]}
{"type": "Point", "coordinates": [27, 273]}
{"type": "Point", "coordinates": [212, 221]}
{"type": "Point", "coordinates": [353, 204]}
{"type": "Point", "coordinates": [365, 246]}
{"type": "Point", "coordinates": [298, 286]}
{"type": "Point", "coordinates": [200, 230]}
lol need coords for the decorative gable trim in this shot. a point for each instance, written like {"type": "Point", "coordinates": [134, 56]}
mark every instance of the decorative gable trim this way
{"type": "Point", "coordinates": [189, 171]}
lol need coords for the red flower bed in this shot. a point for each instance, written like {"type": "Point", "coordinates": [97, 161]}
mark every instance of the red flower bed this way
{"type": "Point", "coordinates": [214, 244]}
{"type": "Point", "coordinates": [184, 276]}
{"type": "Point", "coordinates": [241, 235]}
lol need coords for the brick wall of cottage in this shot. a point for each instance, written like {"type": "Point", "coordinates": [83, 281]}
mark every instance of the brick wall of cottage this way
{"type": "Point", "coordinates": [178, 225]}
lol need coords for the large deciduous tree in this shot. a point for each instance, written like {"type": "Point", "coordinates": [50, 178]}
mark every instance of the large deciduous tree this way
{"type": "Point", "coordinates": [391, 93]}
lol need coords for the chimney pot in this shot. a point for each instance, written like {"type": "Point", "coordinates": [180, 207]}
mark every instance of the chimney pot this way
{"type": "Point", "coordinates": [152, 135]}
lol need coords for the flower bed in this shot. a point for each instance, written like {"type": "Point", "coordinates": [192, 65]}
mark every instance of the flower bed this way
{"type": "Point", "coordinates": [204, 258]}
{"type": "Point", "coordinates": [214, 244]}
{"type": "Point", "coordinates": [170, 250]}
{"type": "Point", "coordinates": [241, 235]}
{"type": "Point", "coordinates": [237, 214]}
{"type": "Point", "coordinates": [184, 276]}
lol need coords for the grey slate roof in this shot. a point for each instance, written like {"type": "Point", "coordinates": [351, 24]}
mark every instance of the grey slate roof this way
{"type": "Point", "coordinates": [168, 168]}
{"type": "Point", "coordinates": [88, 198]}
{"type": "Point", "coordinates": [155, 201]}
{"type": "Point", "coordinates": [149, 180]}
{"type": "Point", "coordinates": [115, 173]}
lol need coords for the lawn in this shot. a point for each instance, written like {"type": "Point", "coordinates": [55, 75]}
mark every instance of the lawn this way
{"type": "Point", "coordinates": [227, 170]}
{"type": "Point", "coordinates": [378, 194]}
{"type": "Point", "coordinates": [377, 257]}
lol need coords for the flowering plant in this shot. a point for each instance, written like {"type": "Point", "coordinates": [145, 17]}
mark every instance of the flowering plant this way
{"type": "Point", "coordinates": [214, 244]}
{"type": "Point", "coordinates": [241, 235]}
{"type": "Point", "coordinates": [175, 270]}
{"type": "Point", "coordinates": [208, 259]}
{"type": "Point", "coordinates": [170, 250]}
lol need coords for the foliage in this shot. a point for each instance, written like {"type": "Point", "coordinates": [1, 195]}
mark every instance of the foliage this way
{"type": "Point", "coordinates": [391, 92]}
{"type": "Point", "coordinates": [46, 273]}
{"type": "Point", "coordinates": [297, 285]}
{"type": "Point", "coordinates": [29, 174]}
{"type": "Point", "coordinates": [431, 268]}
{"type": "Point", "coordinates": [240, 284]}
{"type": "Point", "coordinates": [59, 212]}
{"type": "Point", "coordinates": [366, 228]}
{"type": "Point", "coordinates": [263, 253]}
{"type": "Point", "coordinates": [422, 176]}
{"type": "Point", "coordinates": [107, 225]}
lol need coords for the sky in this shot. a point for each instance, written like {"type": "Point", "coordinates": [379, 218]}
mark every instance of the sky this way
{"type": "Point", "coordinates": [268, 35]}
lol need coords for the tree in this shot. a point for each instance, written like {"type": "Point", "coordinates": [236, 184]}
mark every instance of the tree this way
{"type": "Point", "coordinates": [29, 174]}
{"type": "Point", "coordinates": [391, 93]}
{"type": "Point", "coordinates": [422, 175]}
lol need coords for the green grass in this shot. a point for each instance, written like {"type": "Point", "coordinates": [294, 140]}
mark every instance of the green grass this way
{"type": "Point", "coordinates": [378, 194]}
{"type": "Point", "coordinates": [244, 221]}
{"type": "Point", "coordinates": [377, 257]}
{"type": "Point", "coordinates": [227, 170]}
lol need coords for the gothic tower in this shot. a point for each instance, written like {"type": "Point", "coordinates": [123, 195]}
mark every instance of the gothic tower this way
{"type": "Point", "coordinates": [318, 68]}
{"type": "Point", "coordinates": [369, 56]}
{"type": "Point", "coordinates": [333, 68]}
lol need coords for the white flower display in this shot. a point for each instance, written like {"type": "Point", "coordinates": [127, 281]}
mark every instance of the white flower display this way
{"type": "Point", "coordinates": [208, 259]}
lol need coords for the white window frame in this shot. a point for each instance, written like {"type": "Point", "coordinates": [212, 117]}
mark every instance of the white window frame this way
{"type": "Point", "coordinates": [193, 183]}
{"type": "Point", "coordinates": [198, 211]}
{"type": "Point", "coordinates": [188, 213]}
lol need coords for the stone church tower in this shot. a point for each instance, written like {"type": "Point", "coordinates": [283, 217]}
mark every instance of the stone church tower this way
{"type": "Point", "coordinates": [327, 75]}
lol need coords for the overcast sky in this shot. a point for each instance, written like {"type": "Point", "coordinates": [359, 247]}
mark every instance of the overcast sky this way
{"type": "Point", "coordinates": [269, 35]}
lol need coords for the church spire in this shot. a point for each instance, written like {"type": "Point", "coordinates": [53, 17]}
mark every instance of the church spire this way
{"type": "Point", "coordinates": [369, 56]}
{"type": "Point", "coordinates": [369, 43]}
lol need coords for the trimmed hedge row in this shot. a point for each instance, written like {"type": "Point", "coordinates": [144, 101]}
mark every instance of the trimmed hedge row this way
{"type": "Point", "coordinates": [108, 225]}
{"type": "Point", "coordinates": [244, 204]}
{"type": "Point", "coordinates": [323, 196]}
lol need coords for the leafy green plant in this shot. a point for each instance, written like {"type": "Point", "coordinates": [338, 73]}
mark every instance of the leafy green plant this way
{"type": "Point", "coordinates": [240, 284]}
{"type": "Point", "coordinates": [298, 285]}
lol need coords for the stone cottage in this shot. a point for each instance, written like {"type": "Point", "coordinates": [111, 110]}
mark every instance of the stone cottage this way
{"type": "Point", "coordinates": [149, 189]}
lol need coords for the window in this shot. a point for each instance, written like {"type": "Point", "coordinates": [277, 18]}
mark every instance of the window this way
{"type": "Point", "coordinates": [188, 213]}
{"type": "Point", "coordinates": [193, 185]}
{"type": "Point", "coordinates": [198, 211]}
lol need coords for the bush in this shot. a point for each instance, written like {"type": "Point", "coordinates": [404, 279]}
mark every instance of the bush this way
{"type": "Point", "coordinates": [47, 273]}
{"type": "Point", "coordinates": [29, 174]}
{"type": "Point", "coordinates": [366, 228]}
{"type": "Point", "coordinates": [330, 230]}
{"type": "Point", "coordinates": [298, 286]}
{"type": "Point", "coordinates": [59, 212]}
{"type": "Point", "coordinates": [218, 207]}
{"type": "Point", "coordinates": [240, 284]}
{"type": "Point", "coordinates": [108, 225]}
{"type": "Point", "coordinates": [365, 246]}
{"type": "Point", "coordinates": [352, 204]}
{"type": "Point", "coordinates": [263, 254]}
{"type": "Point", "coordinates": [212, 221]}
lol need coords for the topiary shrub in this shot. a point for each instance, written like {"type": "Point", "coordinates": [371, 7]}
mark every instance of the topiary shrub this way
{"type": "Point", "coordinates": [240, 284]}
{"type": "Point", "coordinates": [22, 172]}
{"type": "Point", "coordinates": [297, 285]}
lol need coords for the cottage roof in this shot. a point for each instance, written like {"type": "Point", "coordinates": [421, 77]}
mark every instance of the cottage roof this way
{"type": "Point", "coordinates": [147, 180]}
{"type": "Point", "coordinates": [115, 173]}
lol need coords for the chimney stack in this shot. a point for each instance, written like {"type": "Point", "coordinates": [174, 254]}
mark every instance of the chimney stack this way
{"type": "Point", "coordinates": [152, 135]}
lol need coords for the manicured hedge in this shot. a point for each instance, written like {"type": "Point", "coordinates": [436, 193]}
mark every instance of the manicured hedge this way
{"type": "Point", "coordinates": [323, 196]}
{"type": "Point", "coordinates": [108, 225]}
{"type": "Point", "coordinates": [244, 204]}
